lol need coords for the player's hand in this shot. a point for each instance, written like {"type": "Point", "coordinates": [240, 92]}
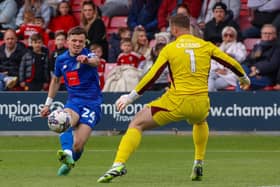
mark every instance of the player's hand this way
{"type": "Point", "coordinates": [82, 59]}
{"type": "Point", "coordinates": [45, 111]}
{"type": "Point", "coordinates": [244, 82]}
{"type": "Point", "coordinates": [123, 101]}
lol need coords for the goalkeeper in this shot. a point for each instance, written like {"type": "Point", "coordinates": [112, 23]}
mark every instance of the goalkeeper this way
{"type": "Point", "coordinates": [188, 59]}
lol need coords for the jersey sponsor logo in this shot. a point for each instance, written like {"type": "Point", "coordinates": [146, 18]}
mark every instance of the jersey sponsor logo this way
{"type": "Point", "coordinates": [73, 78]}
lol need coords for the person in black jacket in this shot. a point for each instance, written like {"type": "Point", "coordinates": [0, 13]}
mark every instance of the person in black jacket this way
{"type": "Point", "coordinates": [60, 43]}
{"type": "Point", "coordinates": [94, 26]}
{"type": "Point", "coordinates": [11, 53]}
{"type": "Point", "coordinates": [213, 29]}
{"type": "Point", "coordinates": [114, 43]}
{"type": "Point", "coordinates": [262, 63]}
{"type": "Point", "coordinates": [34, 74]}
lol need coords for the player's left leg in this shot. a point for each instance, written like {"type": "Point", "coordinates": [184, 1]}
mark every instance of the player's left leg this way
{"type": "Point", "coordinates": [129, 143]}
{"type": "Point", "coordinates": [200, 139]}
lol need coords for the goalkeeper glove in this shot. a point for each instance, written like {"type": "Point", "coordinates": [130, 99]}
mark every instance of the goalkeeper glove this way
{"type": "Point", "coordinates": [244, 82]}
{"type": "Point", "coordinates": [126, 99]}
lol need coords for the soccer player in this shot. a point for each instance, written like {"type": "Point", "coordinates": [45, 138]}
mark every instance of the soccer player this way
{"type": "Point", "coordinates": [188, 59]}
{"type": "Point", "coordinates": [78, 66]}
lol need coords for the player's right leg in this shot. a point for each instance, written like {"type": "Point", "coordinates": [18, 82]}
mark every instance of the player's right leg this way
{"type": "Point", "coordinates": [129, 143]}
{"type": "Point", "coordinates": [200, 138]}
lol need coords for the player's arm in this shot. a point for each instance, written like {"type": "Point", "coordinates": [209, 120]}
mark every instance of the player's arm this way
{"type": "Point", "coordinates": [232, 64]}
{"type": "Point", "coordinates": [54, 86]}
{"type": "Point", "coordinates": [91, 60]}
{"type": "Point", "coordinates": [149, 78]}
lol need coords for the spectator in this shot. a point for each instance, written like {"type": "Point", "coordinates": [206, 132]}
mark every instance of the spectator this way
{"type": "Point", "coordinates": [262, 64]}
{"type": "Point", "coordinates": [34, 72]}
{"type": "Point", "coordinates": [64, 20]}
{"type": "Point", "coordinates": [162, 81]}
{"type": "Point", "coordinates": [206, 13]}
{"type": "Point", "coordinates": [11, 53]}
{"type": "Point", "coordinates": [143, 13]}
{"type": "Point", "coordinates": [264, 12]}
{"type": "Point", "coordinates": [194, 28]}
{"type": "Point", "coordinates": [114, 43]}
{"type": "Point", "coordinates": [32, 26]}
{"type": "Point", "coordinates": [53, 4]}
{"type": "Point", "coordinates": [60, 43]}
{"type": "Point", "coordinates": [38, 7]}
{"type": "Point", "coordinates": [128, 56]}
{"type": "Point", "coordinates": [7, 14]}
{"type": "Point", "coordinates": [140, 42]}
{"type": "Point", "coordinates": [168, 8]}
{"type": "Point", "coordinates": [213, 29]}
{"type": "Point", "coordinates": [94, 26]}
{"type": "Point", "coordinates": [113, 8]}
{"type": "Point", "coordinates": [97, 49]}
{"type": "Point", "coordinates": [221, 77]}
{"type": "Point", "coordinates": [162, 37]}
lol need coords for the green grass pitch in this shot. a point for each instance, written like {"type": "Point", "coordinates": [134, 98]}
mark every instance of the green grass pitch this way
{"type": "Point", "coordinates": [161, 160]}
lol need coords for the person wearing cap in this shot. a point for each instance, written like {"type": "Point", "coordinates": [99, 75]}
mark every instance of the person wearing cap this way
{"type": "Point", "coordinates": [213, 29]}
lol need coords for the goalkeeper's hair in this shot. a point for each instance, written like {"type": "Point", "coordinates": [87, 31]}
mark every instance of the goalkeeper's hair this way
{"type": "Point", "coordinates": [180, 20]}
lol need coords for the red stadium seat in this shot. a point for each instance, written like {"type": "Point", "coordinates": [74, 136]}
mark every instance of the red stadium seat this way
{"type": "Point", "coordinates": [115, 23]}
{"type": "Point", "coordinates": [118, 21]}
{"type": "Point", "coordinates": [99, 2]}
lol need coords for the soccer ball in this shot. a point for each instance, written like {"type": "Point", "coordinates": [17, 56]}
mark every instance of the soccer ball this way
{"type": "Point", "coordinates": [59, 121]}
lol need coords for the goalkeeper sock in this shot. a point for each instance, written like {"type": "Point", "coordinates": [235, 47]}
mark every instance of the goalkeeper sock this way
{"type": "Point", "coordinates": [128, 145]}
{"type": "Point", "coordinates": [200, 139]}
{"type": "Point", "coordinates": [66, 139]}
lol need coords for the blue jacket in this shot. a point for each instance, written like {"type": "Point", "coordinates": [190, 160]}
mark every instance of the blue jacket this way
{"type": "Point", "coordinates": [144, 12]}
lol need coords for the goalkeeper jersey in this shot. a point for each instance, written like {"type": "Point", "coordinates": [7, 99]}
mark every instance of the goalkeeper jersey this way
{"type": "Point", "coordinates": [188, 59]}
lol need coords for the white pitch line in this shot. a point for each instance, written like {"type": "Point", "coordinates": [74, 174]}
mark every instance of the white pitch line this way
{"type": "Point", "coordinates": [143, 151]}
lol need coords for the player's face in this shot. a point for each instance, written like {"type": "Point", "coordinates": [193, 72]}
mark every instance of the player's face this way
{"type": "Point", "coordinates": [76, 43]}
{"type": "Point", "coordinates": [10, 39]}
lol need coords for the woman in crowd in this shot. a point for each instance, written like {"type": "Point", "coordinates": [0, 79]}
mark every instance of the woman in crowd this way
{"type": "Point", "coordinates": [221, 77]}
{"type": "Point", "coordinates": [94, 26]}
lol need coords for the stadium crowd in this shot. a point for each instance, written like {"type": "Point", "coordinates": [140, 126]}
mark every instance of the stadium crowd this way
{"type": "Point", "coordinates": [127, 35]}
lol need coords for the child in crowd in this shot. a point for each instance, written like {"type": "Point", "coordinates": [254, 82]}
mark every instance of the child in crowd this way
{"type": "Point", "coordinates": [31, 25]}
{"type": "Point", "coordinates": [161, 39]}
{"type": "Point", "coordinates": [128, 56]}
{"type": "Point", "coordinates": [114, 43]}
{"type": "Point", "coordinates": [97, 49]}
{"type": "Point", "coordinates": [64, 20]}
{"type": "Point", "coordinates": [60, 43]}
{"type": "Point", "coordinates": [34, 72]}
